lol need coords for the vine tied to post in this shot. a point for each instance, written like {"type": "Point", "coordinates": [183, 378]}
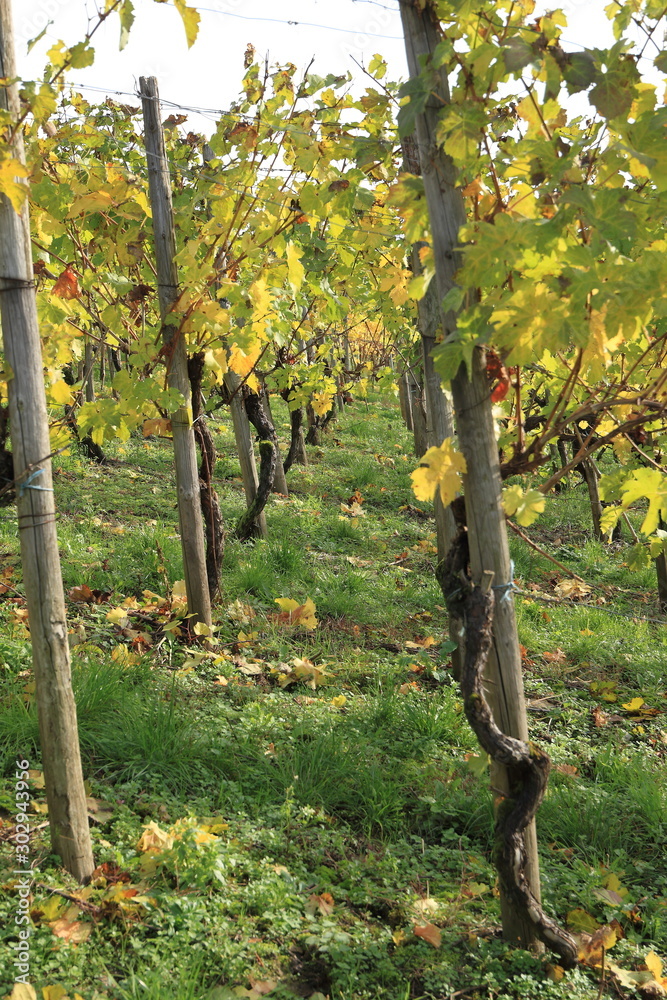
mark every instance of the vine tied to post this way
{"type": "Point", "coordinates": [529, 766]}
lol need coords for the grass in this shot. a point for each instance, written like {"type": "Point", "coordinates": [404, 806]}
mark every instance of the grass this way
{"type": "Point", "coordinates": [310, 828]}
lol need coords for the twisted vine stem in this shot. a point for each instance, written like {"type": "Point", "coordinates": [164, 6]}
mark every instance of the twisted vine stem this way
{"type": "Point", "coordinates": [529, 766]}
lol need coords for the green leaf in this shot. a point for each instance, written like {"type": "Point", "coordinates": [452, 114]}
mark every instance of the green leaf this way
{"type": "Point", "coordinates": [660, 61]}
{"type": "Point", "coordinates": [517, 53]}
{"type": "Point", "coordinates": [609, 519]}
{"type": "Point", "coordinates": [579, 72]}
{"type": "Point", "coordinates": [526, 507]}
{"type": "Point", "coordinates": [377, 67]}
{"type": "Point", "coordinates": [418, 89]}
{"type": "Point", "coordinates": [38, 38]}
{"type": "Point", "coordinates": [81, 55]}
{"type": "Point", "coordinates": [126, 13]}
{"type": "Point", "coordinates": [658, 544]}
{"type": "Point", "coordinates": [615, 89]}
{"type": "Point", "coordinates": [639, 558]}
{"type": "Point", "coordinates": [652, 484]}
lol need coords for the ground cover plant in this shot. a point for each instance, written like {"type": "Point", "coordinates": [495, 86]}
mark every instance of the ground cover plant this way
{"type": "Point", "coordinates": [300, 808]}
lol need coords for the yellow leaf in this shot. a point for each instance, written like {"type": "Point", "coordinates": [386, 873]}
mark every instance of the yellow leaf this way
{"type": "Point", "coordinates": [526, 507]}
{"type": "Point", "coordinates": [554, 972]}
{"type": "Point", "coordinates": [633, 706]}
{"type": "Point", "coordinates": [154, 839]}
{"type": "Point", "coordinates": [23, 991]}
{"type": "Point", "coordinates": [338, 701]}
{"type": "Point", "coordinates": [295, 269]}
{"type": "Point", "coordinates": [191, 19]}
{"type": "Point", "coordinates": [159, 426]}
{"type": "Point", "coordinates": [294, 613]}
{"type": "Point", "coordinates": [242, 362]}
{"type": "Point", "coordinates": [10, 186]}
{"type": "Point", "coordinates": [439, 468]}
{"type": "Point", "coordinates": [117, 615]}
{"type": "Point", "coordinates": [201, 628]}
{"type": "Point", "coordinates": [178, 591]}
{"type": "Point", "coordinates": [601, 347]}
{"type": "Point", "coordinates": [654, 965]}
{"type": "Point", "coordinates": [260, 297]}
{"type": "Point", "coordinates": [217, 362]}
{"type": "Point", "coordinates": [53, 992]}
{"type": "Point", "coordinates": [61, 392]}
{"type": "Point", "coordinates": [321, 403]}
{"type": "Point", "coordinates": [571, 589]}
{"type": "Point", "coordinates": [88, 204]}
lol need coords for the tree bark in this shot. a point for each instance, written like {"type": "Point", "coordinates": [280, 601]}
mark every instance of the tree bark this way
{"type": "Point", "coordinates": [88, 371]}
{"type": "Point", "coordinates": [405, 398]}
{"type": "Point", "coordinates": [208, 497]}
{"type": "Point", "coordinates": [587, 469]}
{"type": "Point", "coordinates": [185, 449]}
{"type": "Point", "coordinates": [419, 421]}
{"type": "Point", "coordinates": [246, 453]}
{"type": "Point", "coordinates": [297, 447]}
{"type": "Point", "coordinates": [245, 527]}
{"type": "Point", "coordinates": [489, 550]}
{"type": "Point", "coordinates": [661, 572]}
{"type": "Point", "coordinates": [61, 760]}
{"type": "Point", "coordinates": [279, 479]}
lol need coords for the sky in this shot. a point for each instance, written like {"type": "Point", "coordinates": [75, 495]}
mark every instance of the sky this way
{"type": "Point", "coordinates": [208, 75]}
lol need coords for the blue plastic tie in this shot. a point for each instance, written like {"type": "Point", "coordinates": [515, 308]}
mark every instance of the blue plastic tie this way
{"type": "Point", "coordinates": [27, 485]}
{"type": "Point", "coordinates": [505, 588]}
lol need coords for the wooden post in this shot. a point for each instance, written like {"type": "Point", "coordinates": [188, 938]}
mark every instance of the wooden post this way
{"type": "Point", "coordinates": [185, 448]}
{"type": "Point", "coordinates": [61, 760]}
{"type": "Point", "coordinates": [244, 446]}
{"type": "Point", "coordinates": [489, 550]}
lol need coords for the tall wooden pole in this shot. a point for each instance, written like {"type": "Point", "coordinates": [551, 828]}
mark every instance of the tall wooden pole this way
{"type": "Point", "coordinates": [489, 550]}
{"type": "Point", "coordinates": [185, 447]}
{"type": "Point", "coordinates": [61, 761]}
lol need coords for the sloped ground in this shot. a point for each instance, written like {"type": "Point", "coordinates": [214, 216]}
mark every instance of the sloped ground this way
{"type": "Point", "coordinates": [276, 815]}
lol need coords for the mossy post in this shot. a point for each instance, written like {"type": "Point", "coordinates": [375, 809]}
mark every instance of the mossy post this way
{"type": "Point", "coordinates": [489, 550]}
{"type": "Point", "coordinates": [29, 425]}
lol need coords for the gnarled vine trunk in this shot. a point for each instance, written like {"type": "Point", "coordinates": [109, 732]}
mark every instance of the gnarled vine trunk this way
{"type": "Point", "coordinates": [214, 533]}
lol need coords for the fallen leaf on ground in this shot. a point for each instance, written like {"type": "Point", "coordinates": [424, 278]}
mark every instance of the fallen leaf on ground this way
{"type": "Point", "coordinates": [73, 931]}
{"type": "Point", "coordinates": [323, 904]}
{"type": "Point", "coordinates": [293, 613]}
{"type": "Point", "coordinates": [429, 933]}
{"type": "Point", "coordinates": [571, 590]}
{"type": "Point", "coordinates": [558, 656]}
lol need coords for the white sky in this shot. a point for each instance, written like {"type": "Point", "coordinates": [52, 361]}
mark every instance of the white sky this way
{"type": "Point", "coordinates": [209, 74]}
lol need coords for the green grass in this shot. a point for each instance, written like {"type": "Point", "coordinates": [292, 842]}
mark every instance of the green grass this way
{"type": "Point", "coordinates": [360, 788]}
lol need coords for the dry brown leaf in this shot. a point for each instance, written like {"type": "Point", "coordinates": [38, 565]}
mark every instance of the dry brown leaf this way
{"type": "Point", "coordinates": [73, 931]}
{"type": "Point", "coordinates": [429, 933]}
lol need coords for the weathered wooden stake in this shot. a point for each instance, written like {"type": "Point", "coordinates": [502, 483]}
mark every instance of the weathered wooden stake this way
{"type": "Point", "coordinates": [185, 448]}
{"type": "Point", "coordinates": [489, 550]}
{"type": "Point", "coordinates": [61, 760]}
